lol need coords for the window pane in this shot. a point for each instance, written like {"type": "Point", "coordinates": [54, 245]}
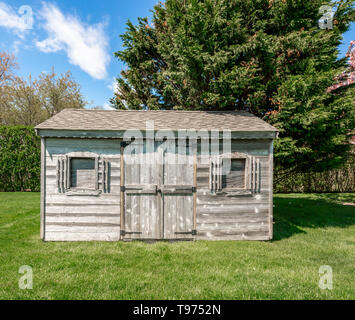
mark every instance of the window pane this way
{"type": "Point", "coordinates": [236, 177]}
{"type": "Point", "coordinates": [82, 173]}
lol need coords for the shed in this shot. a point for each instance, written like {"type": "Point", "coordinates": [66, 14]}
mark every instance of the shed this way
{"type": "Point", "coordinates": [169, 175]}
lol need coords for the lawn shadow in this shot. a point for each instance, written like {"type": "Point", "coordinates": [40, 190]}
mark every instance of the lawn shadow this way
{"type": "Point", "coordinates": [294, 213]}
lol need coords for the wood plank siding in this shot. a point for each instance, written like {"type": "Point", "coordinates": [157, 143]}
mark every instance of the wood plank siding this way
{"type": "Point", "coordinates": [149, 189]}
{"type": "Point", "coordinates": [240, 217]}
{"type": "Point", "coordinates": [83, 217]}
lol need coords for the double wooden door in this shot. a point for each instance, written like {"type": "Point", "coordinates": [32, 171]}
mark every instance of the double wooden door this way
{"type": "Point", "coordinates": [158, 189]}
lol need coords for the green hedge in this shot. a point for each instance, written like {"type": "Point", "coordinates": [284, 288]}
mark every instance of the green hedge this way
{"type": "Point", "coordinates": [20, 151]}
{"type": "Point", "coordinates": [337, 180]}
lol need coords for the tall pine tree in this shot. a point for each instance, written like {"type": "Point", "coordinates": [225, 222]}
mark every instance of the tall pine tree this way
{"type": "Point", "coordinates": [268, 57]}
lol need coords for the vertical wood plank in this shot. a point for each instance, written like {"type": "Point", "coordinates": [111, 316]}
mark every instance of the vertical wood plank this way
{"type": "Point", "coordinates": [271, 173]}
{"type": "Point", "coordinates": [214, 175]}
{"type": "Point", "coordinates": [62, 172]}
{"type": "Point", "coordinates": [247, 173]}
{"type": "Point", "coordinates": [97, 173]}
{"type": "Point", "coordinates": [107, 176]}
{"type": "Point", "coordinates": [102, 165]}
{"type": "Point", "coordinates": [144, 208]}
{"type": "Point", "coordinates": [43, 188]}
{"type": "Point", "coordinates": [253, 175]}
{"type": "Point", "coordinates": [195, 193]}
{"type": "Point", "coordinates": [136, 199]}
{"type": "Point", "coordinates": [60, 175]}
{"type": "Point", "coordinates": [122, 197]}
{"type": "Point", "coordinates": [65, 174]}
{"type": "Point", "coordinates": [68, 173]}
{"type": "Point", "coordinates": [57, 174]}
{"type": "Point", "coordinates": [160, 180]}
{"type": "Point", "coordinates": [210, 175]}
{"type": "Point", "coordinates": [257, 175]}
{"type": "Point", "coordinates": [220, 173]}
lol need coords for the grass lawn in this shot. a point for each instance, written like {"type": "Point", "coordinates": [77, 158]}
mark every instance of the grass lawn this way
{"type": "Point", "coordinates": [310, 231]}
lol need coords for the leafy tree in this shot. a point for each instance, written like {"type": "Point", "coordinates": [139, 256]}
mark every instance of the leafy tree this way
{"type": "Point", "coordinates": [21, 103]}
{"type": "Point", "coordinates": [58, 93]}
{"type": "Point", "coordinates": [7, 66]}
{"type": "Point", "coordinates": [31, 101]}
{"type": "Point", "coordinates": [269, 57]}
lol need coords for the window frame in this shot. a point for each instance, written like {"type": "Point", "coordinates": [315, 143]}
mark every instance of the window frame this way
{"type": "Point", "coordinates": [238, 156]}
{"type": "Point", "coordinates": [73, 191]}
{"type": "Point", "coordinates": [246, 190]}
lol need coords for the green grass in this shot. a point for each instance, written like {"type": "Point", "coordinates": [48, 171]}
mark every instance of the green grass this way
{"type": "Point", "coordinates": [310, 231]}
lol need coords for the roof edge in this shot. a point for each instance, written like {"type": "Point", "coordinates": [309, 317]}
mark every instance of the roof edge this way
{"type": "Point", "coordinates": [119, 134]}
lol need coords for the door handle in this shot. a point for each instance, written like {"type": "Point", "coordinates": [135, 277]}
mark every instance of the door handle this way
{"type": "Point", "coordinates": [140, 189]}
{"type": "Point", "coordinates": [185, 189]}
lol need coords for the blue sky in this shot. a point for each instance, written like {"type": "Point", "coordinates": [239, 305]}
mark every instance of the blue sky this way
{"type": "Point", "coordinates": [77, 35]}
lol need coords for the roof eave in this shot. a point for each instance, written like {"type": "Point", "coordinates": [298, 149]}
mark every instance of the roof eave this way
{"type": "Point", "coordinates": [119, 134]}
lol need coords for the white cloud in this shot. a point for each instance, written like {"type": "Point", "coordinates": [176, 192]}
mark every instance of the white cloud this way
{"type": "Point", "coordinates": [85, 45]}
{"type": "Point", "coordinates": [113, 85]}
{"type": "Point", "coordinates": [11, 20]}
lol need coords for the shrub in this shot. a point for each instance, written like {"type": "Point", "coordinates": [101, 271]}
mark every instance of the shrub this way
{"type": "Point", "coordinates": [336, 180]}
{"type": "Point", "coordinates": [19, 159]}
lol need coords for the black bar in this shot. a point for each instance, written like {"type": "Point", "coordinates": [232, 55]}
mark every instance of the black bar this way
{"type": "Point", "coordinates": [187, 232]}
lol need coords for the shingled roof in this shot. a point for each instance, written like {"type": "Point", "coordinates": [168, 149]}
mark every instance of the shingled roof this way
{"type": "Point", "coordinates": [86, 120]}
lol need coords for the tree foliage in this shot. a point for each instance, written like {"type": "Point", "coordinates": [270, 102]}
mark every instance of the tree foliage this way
{"type": "Point", "coordinates": [269, 57]}
{"type": "Point", "coordinates": [19, 159]}
{"type": "Point", "coordinates": [7, 65]}
{"type": "Point", "coordinates": [31, 101]}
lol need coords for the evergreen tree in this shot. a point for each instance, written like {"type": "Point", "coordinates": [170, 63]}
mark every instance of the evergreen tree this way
{"type": "Point", "coordinates": [268, 57]}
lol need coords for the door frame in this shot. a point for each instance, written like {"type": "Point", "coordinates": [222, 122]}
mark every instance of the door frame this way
{"type": "Point", "coordinates": [159, 190]}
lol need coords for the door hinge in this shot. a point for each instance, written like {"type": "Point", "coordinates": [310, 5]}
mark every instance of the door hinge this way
{"type": "Point", "coordinates": [124, 232]}
{"type": "Point", "coordinates": [123, 188]}
{"type": "Point", "coordinates": [192, 232]}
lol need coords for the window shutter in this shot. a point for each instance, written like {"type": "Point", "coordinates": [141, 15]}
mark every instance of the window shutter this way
{"type": "Point", "coordinates": [103, 175]}
{"type": "Point", "coordinates": [63, 174]}
{"type": "Point", "coordinates": [257, 184]}
{"type": "Point", "coordinates": [219, 173]}
{"type": "Point", "coordinates": [67, 173]}
{"type": "Point", "coordinates": [252, 176]}
{"type": "Point", "coordinates": [215, 179]}
{"type": "Point", "coordinates": [255, 175]}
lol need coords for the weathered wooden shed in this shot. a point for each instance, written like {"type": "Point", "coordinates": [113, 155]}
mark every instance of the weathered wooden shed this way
{"type": "Point", "coordinates": [123, 175]}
